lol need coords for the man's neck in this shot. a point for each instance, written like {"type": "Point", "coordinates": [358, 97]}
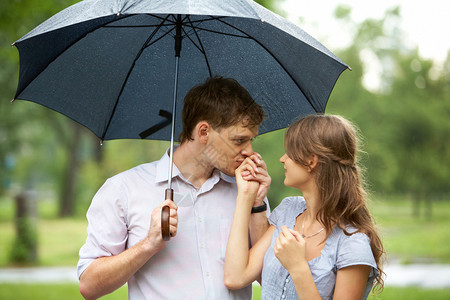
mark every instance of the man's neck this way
{"type": "Point", "coordinates": [188, 159]}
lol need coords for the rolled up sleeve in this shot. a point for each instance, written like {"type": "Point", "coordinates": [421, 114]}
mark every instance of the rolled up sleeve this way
{"type": "Point", "coordinates": [107, 231]}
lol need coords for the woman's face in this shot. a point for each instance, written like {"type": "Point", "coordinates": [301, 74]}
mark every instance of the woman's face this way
{"type": "Point", "coordinates": [296, 175]}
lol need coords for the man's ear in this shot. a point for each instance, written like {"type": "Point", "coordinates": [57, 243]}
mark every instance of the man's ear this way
{"type": "Point", "coordinates": [202, 131]}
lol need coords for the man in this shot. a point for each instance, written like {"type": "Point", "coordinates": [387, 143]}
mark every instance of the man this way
{"type": "Point", "coordinates": [124, 243]}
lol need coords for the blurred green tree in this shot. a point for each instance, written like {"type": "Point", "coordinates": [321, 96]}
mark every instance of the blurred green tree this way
{"type": "Point", "coordinates": [405, 121]}
{"type": "Point", "coordinates": [27, 131]}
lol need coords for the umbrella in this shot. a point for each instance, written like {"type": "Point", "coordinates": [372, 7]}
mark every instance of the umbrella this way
{"type": "Point", "coordinates": [117, 66]}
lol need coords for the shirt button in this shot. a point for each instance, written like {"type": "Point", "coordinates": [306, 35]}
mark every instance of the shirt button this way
{"type": "Point", "coordinates": [287, 280]}
{"type": "Point", "coordinates": [283, 296]}
{"type": "Point", "coordinates": [202, 245]}
{"type": "Point", "coordinates": [284, 288]}
{"type": "Point", "coordinates": [200, 220]}
{"type": "Point", "coordinates": [207, 274]}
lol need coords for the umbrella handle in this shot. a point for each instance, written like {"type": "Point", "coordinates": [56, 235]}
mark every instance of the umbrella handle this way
{"type": "Point", "coordinates": [165, 217]}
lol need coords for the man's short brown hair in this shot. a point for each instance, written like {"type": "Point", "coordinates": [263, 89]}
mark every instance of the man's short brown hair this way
{"type": "Point", "coordinates": [222, 102]}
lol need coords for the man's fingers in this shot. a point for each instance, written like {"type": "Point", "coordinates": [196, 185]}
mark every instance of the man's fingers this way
{"type": "Point", "coordinates": [251, 166]}
{"type": "Point", "coordinates": [169, 203]}
{"type": "Point", "coordinates": [173, 230]}
{"type": "Point", "coordinates": [257, 158]}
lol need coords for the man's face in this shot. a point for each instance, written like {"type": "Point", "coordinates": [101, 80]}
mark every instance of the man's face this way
{"type": "Point", "coordinates": [228, 147]}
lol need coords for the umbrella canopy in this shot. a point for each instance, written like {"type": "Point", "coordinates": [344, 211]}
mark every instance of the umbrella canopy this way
{"type": "Point", "coordinates": [109, 64]}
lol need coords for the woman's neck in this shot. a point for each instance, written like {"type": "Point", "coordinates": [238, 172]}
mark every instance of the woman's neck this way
{"type": "Point", "coordinates": [312, 205]}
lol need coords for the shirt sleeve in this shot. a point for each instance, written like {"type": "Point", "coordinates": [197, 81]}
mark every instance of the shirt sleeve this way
{"type": "Point", "coordinates": [355, 250]}
{"type": "Point", "coordinates": [278, 212]}
{"type": "Point", "coordinates": [268, 207]}
{"type": "Point", "coordinates": [107, 225]}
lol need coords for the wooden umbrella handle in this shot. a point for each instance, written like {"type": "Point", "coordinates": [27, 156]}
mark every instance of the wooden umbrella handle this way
{"type": "Point", "coordinates": [165, 217]}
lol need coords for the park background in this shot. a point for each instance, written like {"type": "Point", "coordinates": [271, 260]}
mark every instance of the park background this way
{"type": "Point", "coordinates": [397, 96]}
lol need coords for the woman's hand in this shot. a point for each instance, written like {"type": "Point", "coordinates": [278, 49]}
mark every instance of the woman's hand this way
{"type": "Point", "coordinates": [290, 249]}
{"type": "Point", "coordinates": [257, 171]}
{"type": "Point", "coordinates": [244, 182]}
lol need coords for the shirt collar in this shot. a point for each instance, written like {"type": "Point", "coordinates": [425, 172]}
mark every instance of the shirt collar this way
{"type": "Point", "coordinates": [162, 168]}
{"type": "Point", "coordinates": [162, 171]}
{"type": "Point", "coordinates": [227, 178]}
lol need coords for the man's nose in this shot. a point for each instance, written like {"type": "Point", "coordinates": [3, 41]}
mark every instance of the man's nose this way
{"type": "Point", "coordinates": [248, 150]}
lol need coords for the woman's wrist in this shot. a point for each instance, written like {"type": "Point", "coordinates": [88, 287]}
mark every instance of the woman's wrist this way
{"type": "Point", "coordinates": [299, 269]}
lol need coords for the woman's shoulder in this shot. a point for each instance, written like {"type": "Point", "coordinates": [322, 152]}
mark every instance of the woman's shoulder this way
{"type": "Point", "coordinates": [353, 247]}
{"type": "Point", "coordinates": [350, 233]}
{"type": "Point", "coordinates": [288, 207]}
{"type": "Point", "coordinates": [292, 203]}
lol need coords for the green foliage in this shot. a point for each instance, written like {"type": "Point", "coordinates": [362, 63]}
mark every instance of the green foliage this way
{"type": "Point", "coordinates": [270, 4]}
{"type": "Point", "coordinates": [271, 148]}
{"type": "Point", "coordinates": [404, 121]}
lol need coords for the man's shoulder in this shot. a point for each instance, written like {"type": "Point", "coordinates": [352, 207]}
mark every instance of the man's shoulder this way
{"type": "Point", "coordinates": [146, 170]}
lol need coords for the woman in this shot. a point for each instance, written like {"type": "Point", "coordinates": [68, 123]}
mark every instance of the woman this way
{"type": "Point", "coordinates": [322, 245]}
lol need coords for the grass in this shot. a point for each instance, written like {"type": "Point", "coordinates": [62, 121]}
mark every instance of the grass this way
{"type": "Point", "coordinates": [411, 293]}
{"type": "Point", "coordinates": [405, 238]}
{"type": "Point", "coordinates": [59, 241]}
{"type": "Point", "coordinates": [413, 239]}
{"type": "Point", "coordinates": [67, 291]}
{"type": "Point", "coordinates": [70, 292]}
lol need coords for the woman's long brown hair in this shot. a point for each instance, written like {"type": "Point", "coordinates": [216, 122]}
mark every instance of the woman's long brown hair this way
{"type": "Point", "coordinates": [341, 186]}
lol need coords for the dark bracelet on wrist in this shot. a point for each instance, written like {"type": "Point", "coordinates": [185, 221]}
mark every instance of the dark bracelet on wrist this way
{"type": "Point", "coordinates": [259, 209]}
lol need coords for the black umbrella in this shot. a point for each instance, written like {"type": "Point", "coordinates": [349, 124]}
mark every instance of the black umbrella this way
{"type": "Point", "coordinates": [109, 64]}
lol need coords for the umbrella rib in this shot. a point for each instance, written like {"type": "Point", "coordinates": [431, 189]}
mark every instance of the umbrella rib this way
{"type": "Point", "coordinates": [201, 45]}
{"type": "Point", "coordinates": [165, 34]}
{"type": "Point", "coordinates": [132, 26]}
{"type": "Point", "coordinates": [198, 22]}
{"type": "Point", "coordinates": [193, 42]}
{"type": "Point", "coordinates": [275, 58]}
{"type": "Point", "coordinates": [128, 76]}
{"type": "Point", "coordinates": [163, 19]}
{"type": "Point", "coordinates": [211, 18]}
{"type": "Point", "coordinates": [223, 33]}
{"type": "Point", "coordinates": [162, 36]}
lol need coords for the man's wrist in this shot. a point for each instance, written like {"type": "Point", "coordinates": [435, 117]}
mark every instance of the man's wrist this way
{"type": "Point", "coordinates": [260, 208]}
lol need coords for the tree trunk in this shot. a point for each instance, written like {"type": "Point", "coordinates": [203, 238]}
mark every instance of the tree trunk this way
{"type": "Point", "coordinates": [416, 205]}
{"type": "Point", "coordinates": [25, 246]}
{"type": "Point", "coordinates": [428, 208]}
{"type": "Point", "coordinates": [68, 194]}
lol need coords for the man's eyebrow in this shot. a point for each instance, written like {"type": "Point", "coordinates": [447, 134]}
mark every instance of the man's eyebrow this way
{"type": "Point", "coordinates": [243, 137]}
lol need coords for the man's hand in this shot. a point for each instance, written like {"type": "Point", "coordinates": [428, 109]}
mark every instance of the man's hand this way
{"type": "Point", "coordinates": [154, 237]}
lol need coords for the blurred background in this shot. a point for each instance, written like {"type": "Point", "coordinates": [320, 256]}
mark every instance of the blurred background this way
{"type": "Point", "coordinates": [398, 94]}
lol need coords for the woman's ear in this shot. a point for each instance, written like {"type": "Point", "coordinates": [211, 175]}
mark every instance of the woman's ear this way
{"type": "Point", "coordinates": [313, 161]}
{"type": "Point", "coordinates": [202, 130]}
